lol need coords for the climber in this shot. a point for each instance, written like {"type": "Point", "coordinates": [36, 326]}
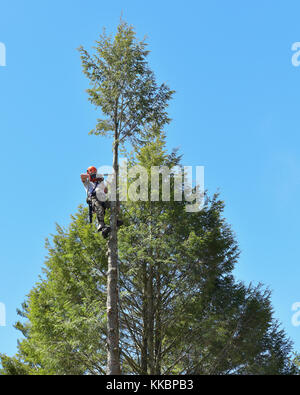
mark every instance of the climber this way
{"type": "Point", "coordinates": [96, 197]}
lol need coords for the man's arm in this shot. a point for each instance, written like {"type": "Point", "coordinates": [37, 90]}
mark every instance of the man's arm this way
{"type": "Point", "coordinates": [84, 178]}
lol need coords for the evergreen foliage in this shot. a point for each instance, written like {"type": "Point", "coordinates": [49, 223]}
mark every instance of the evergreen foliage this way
{"type": "Point", "coordinates": [182, 311]}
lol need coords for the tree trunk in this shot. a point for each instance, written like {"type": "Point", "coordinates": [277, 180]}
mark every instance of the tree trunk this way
{"type": "Point", "coordinates": [150, 296]}
{"type": "Point", "coordinates": [158, 340]}
{"type": "Point", "coordinates": [150, 320]}
{"type": "Point", "coordinates": [113, 351]}
{"type": "Point", "coordinates": [144, 350]}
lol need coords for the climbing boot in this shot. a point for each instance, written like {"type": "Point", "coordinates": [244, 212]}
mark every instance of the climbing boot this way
{"type": "Point", "coordinates": [105, 231]}
{"type": "Point", "coordinates": [100, 227]}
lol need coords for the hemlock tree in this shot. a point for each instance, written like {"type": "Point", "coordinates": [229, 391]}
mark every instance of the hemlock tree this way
{"type": "Point", "coordinates": [65, 327]}
{"type": "Point", "coordinates": [182, 312]}
{"type": "Point", "coordinates": [181, 309]}
{"type": "Point", "coordinates": [125, 89]}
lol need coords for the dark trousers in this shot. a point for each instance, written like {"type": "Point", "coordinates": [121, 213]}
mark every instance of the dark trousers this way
{"type": "Point", "coordinates": [98, 208]}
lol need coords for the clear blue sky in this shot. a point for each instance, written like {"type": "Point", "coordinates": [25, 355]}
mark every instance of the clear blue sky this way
{"type": "Point", "coordinates": [236, 112]}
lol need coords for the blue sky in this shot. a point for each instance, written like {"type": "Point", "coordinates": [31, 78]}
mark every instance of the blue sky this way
{"type": "Point", "coordinates": [236, 112]}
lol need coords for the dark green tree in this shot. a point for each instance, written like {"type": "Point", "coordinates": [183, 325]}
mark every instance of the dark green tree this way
{"type": "Point", "coordinates": [65, 316]}
{"type": "Point", "coordinates": [182, 312]}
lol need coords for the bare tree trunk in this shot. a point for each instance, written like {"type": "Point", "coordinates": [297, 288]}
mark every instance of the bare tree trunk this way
{"type": "Point", "coordinates": [158, 339]}
{"type": "Point", "coordinates": [113, 351]}
{"type": "Point", "coordinates": [151, 297]}
{"type": "Point", "coordinates": [150, 320]}
{"type": "Point", "coordinates": [144, 351]}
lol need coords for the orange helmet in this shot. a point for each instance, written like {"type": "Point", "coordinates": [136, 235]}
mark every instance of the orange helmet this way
{"type": "Point", "coordinates": [92, 172]}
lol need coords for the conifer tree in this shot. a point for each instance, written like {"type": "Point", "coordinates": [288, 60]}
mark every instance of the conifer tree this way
{"type": "Point", "coordinates": [182, 312]}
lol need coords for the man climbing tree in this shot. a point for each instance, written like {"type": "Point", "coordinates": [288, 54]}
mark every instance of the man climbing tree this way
{"type": "Point", "coordinates": [96, 197]}
{"type": "Point", "coordinates": [125, 89]}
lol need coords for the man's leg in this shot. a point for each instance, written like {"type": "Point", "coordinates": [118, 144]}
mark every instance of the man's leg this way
{"type": "Point", "coordinates": [99, 209]}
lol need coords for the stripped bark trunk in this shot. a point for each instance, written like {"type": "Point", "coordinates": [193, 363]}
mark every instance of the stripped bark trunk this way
{"type": "Point", "coordinates": [150, 303]}
{"type": "Point", "coordinates": [144, 350]}
{"type": "Point", "coordinates": [147, 352]}
{"type": "Point", "coordinates": [150, 320]}
{"type": "Point", "coordinates": [113, 351]}
{"type": "Point", "coordinates": [158, 339]}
